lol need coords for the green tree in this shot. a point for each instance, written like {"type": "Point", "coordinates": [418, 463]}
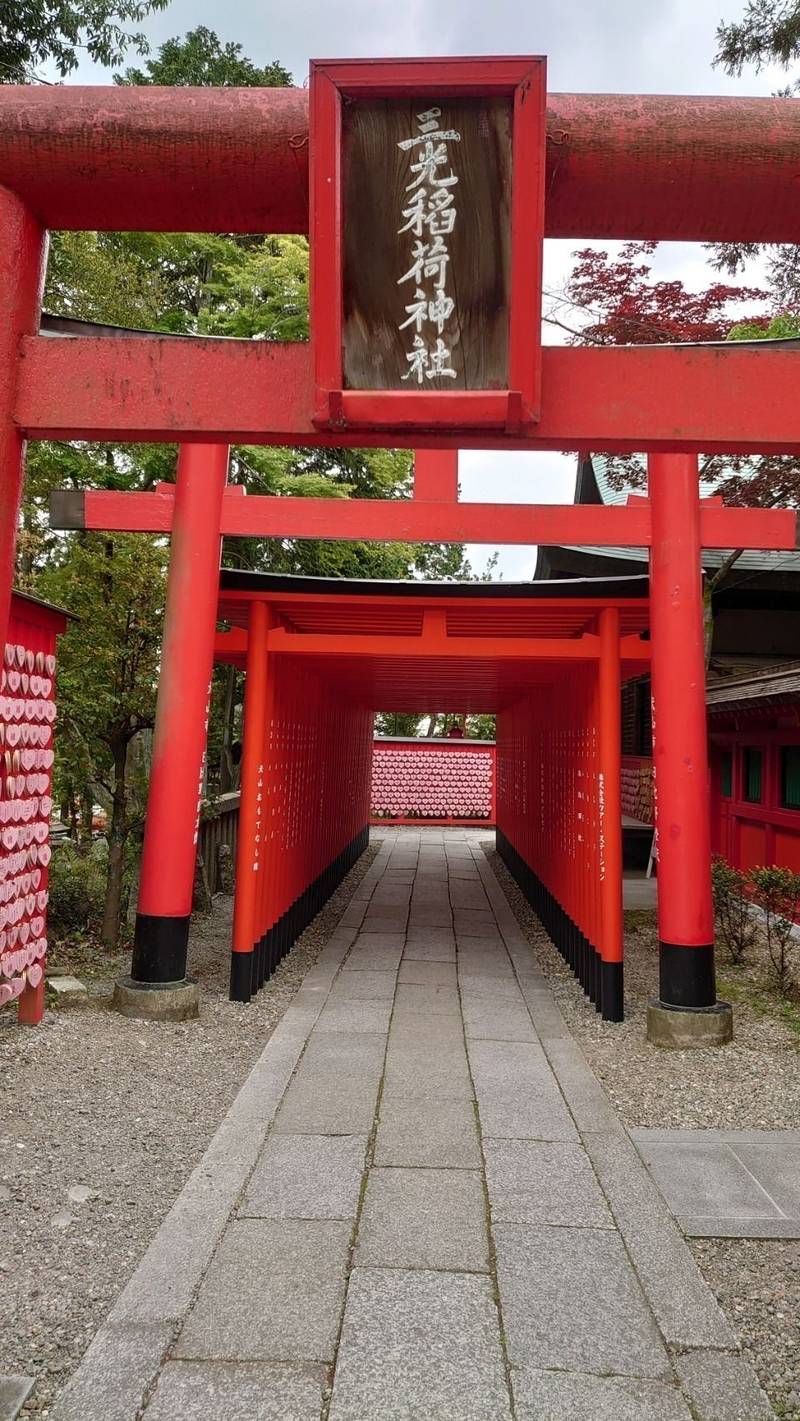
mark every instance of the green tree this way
{"type": "Point", "coordinates": [768, 33]}
{"type": "Point", "coordinates": [108, 674]}
{"type": "Point", "coordinates": [202, 59]}
{"type": "Point", "coordinates": [37, 32]}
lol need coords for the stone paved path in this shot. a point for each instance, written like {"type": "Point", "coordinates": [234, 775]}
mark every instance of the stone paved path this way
{"type": "Point", "coordinates": [421, 1207]}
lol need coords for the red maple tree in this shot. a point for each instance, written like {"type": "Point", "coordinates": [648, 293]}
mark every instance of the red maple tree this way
{"type": "Point", "coordinates": [626, 306]}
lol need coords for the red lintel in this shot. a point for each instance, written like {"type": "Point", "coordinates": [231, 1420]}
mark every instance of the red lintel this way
{"type": "Point", "coordinates": [711, 399]}
{"type": "Point", "coordinates": [232, 645]}
{"type": "Point", "coordinates": [419, 520]}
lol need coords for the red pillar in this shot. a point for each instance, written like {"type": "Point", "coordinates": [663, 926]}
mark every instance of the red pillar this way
{"type": "Point", "coordinates": [680, 749]}
{"type": "Point", "coordinates": [23, 252]}
{"type": "Point", "coordinates": [610, 816]}
{"type": "Point", "coordinates": [251, 841]}
{"type": "Point", "coordinates": [179, 741]}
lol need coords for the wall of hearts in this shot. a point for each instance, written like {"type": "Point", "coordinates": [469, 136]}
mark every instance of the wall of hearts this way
{"type": "Point", "coordinates": [439, 781]}
{"type": "Point", "coordinates": [27, 724]}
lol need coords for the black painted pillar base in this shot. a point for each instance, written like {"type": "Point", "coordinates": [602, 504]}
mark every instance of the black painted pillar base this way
{"type": "Point", "coordinates": [160, 946]}
{"type": "Point", "coordinates": [242, 985]}
{"type": "Point", "coordinates": [687, 1014]}
{"type": "Point", "coordinates": [686, 976]}
{"type": "Point", "coordinates": [611, 993]}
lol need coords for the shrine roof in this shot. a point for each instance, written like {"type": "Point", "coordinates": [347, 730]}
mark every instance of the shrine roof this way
{"type": "Point", "coordinates": [484, 645]}
{"type": "Point", "coordinates": [769, 685]}
{"type": "Point", "coordinates": [593, 484]}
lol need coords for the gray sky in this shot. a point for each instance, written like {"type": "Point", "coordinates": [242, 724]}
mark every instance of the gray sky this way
{"type": "Point", "coordinates": [614, 46]}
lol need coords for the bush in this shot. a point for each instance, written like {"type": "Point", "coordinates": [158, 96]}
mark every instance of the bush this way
{"type": "Point", "coordinates": [77, 891]}
{"type": "Point", "coordinates": [736, 924]}
{"type": "Point", "coordinates": [777, 892]}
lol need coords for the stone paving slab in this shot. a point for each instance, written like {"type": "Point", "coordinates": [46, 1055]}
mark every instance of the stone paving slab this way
{"type": "Point", "coordinates": [536, 1182]}
{"type": "Point", "coordinates": [237, 1391]}
{"type": "Point", "coordinates": [425, 974]}
{"type": "Point", "coordinates": [433, 999]}
{"type": "Point", "coordinates": [722, 1387]}
{"type": "Point", "coordinates": [335, 1086]}
{"type": "Point", "coordinates": [430, 948]}
{"type": "Point", "coordinates": [417, 1346]}
{"type": "Point", "coordinates": [274, 1292]}
{"type": "Point", "coordinates": [444, 1135]}
{"type": "Point", "coordinates": [346, 1014]}
{"type": "Point", "coordinates": [306, 1177]}
{"type": "Point", "coordinates": [438, 1073]}
{"type": "Point", "coordinates": [372, 959]}
{"type": "Point", "coordinates": [571, 1300]}
{"type": "Point", "coordinates": [725, 1183]}
{"type": "Point", "coordinates": [517, 1096]}
{"type": "Point", "coordinates": [369, 984]}
{"type": "Point", "coordinates": [423, 1218]}
{"type": "Point", "coordinates": [497, 1019]}
{"type": "Point", "coordinates": [14, 1392]}
{"type": "Point", "coordinates": [568, 1396]}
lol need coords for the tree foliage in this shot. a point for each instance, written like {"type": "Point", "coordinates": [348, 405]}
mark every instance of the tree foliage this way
{"type": "Point", "coordinates": [38, 32]}
{"type": "Point", "coordinates": [768, 33]}
{"type": "Point", "coordinates": [621, 303]}
{"type": "Point", "coordinates": [202, 59]}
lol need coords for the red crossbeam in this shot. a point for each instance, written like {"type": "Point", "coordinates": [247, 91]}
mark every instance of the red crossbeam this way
{"type": "Point", "coordinates": [420, 521]}
{"type": "Point", "coordinates": [700, 399]}
{"type": "Point", "coordinates": [236, 160]}
{"type": "Point", "coordinates": [233, 644]}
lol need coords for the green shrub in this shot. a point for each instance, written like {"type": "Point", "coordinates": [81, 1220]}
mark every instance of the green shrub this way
{"type": "Point", "coordinates": [77, 891]}
{"type": "Point", "coordinates": [736, 924]}
{"type": "Point", "coordinates": [777, 892]}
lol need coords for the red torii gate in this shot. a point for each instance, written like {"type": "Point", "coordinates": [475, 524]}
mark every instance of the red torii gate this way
{"type": "Point", "coordinates": [673, 522]}
{"type": "Point", "coordinates": [214, 160]}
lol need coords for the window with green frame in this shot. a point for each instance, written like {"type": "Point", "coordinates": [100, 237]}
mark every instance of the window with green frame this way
{"type": "Point", "coordinates": [752, 761]}
{"type": "Point", "coordinates": [790, 776]}
{"type": "Point", "coordinates": [726, 773]}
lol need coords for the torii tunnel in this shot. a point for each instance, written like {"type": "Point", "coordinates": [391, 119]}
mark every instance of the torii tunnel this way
{"type": "Point", "coordinates": [321, 656]}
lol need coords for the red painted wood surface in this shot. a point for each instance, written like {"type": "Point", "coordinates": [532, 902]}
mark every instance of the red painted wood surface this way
{"type": "Point", "coordinates": [319, 753]}
{"type": "Point", "coordinates": [548, 803]}
{"type": "Point", "coordinates": [609, 789]}
{"type": "Point", "coordinates": [750, 834]}
{"type": "Point", "coordinates": [179, 739]}
{"type": "Point", "coordinates": [236, 160]}
{"type": "Point", "coordinates": [27, 719]}
{"type": "Point", "coordinates": [680, 750]}
{"type": "Point", "coordinates": [250, 861]}
{"type": "Point", "coordinates": [428, 780]}
{"type": "Point", "coordinates": [427, 519]}
{"type": "Point", "coordinates": [22, 259]}
{"type": "Point", "coordinates": [711, 399]}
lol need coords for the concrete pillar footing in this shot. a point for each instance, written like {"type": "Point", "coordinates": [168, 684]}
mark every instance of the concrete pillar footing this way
{"type": "Point", "coordinates": [157, 1001]}
{"type": "Point", "coordinates": [686, 1028]}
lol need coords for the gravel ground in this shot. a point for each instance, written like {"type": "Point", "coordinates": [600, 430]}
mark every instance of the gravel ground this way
{"type": "Point", "coordinates": [101, 1121]}
{"type": "Point", "coordinates": [752, 1084]}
